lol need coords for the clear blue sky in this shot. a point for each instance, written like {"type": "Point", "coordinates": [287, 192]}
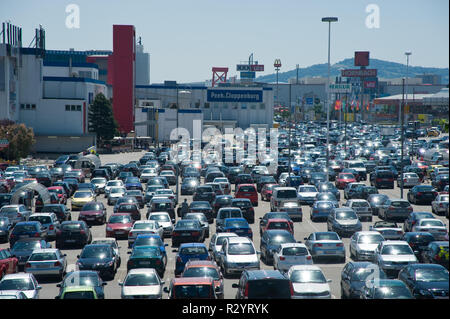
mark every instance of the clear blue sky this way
{"type": "Point", "coordinates": [187, 37]}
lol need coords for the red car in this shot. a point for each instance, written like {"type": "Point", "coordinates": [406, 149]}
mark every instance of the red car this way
{"type": "Point", "coordinates": [192, 288]}
{"type": "Point", "coordinates": [267, 190]}
{"type": "Point", "coordinates": [119, 225]}
{"type": "Point", "coordinates": [93, 212]}
{"type": "Point", "coordinates": [205, 268]}
{"type": "Point", "coordinates": [60, 192]}
{"type": "Point", "coordinates": [247, 191]}
{"type": "Point", "coordinates": [343, 179]}
{"type": "Point", "coordinates": [8, 263]}
{"type": "Point", "coordinates": [278, 223]}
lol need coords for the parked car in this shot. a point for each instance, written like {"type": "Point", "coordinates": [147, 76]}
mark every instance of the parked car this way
{"type": "Point", "coordinates": [15, 213]}
{"type": "Point", "coordinates": [270, 242]}
{"type": "Point", "coordinates": [237, 254]}
{"type": "Point", "coordinates": [325, 245]}
{"type": "Point", "coordinates": [376, 201]}
{"type": "Point", "coordinates": [354, 275]}
{"type": "Point", "coordinates": [440, 204]}
{"type": "Point", "coordinates": [289, 255]}
{"type": "Point", "coordinates": [389, 230]}
{"type": "Point", "coordinates": [60, 210]}
{"type": "Point", "coordinates": [307, 194]}
{"type": "Point", "coordinates": [190, 251]}
{"type": "Point", "coordinates": [361, 207]}
{"type": "Point", "coordinates": [309, 282]}
{"type": "Point", "coordinates": [385, 289]}
{"type": "Point", "coordinates": [192, 288]}
{"type": "Point", "coordinates": [187, 231]}
{"type": "Point", "coordinates": [238, 226]}
{"type": "Point", "coordinates": [344, 222]}
{"type": "Point", "coordinates": [205, 268]}
{"type": "Point", "coordinates": [93, 212]}
{"type": "Point", "coordinates": [263, 284]}
{"type": "Point", "coordinates": [434, 226]}
{"type": "Point", "coordinates": [246, 207]}
{"type": "Point", "coordinates": [201, 218]}
{"type": "Point", "coordinates": [23, 282]}
{"type": "Point", "coordinates": [5, 228]}
{"type": "Point", "coordinates": [144, 227]}
{"type": "Point", "coordinates": [202, 207]}
{"type": "Point", "coordinates": [99, 257]}
{"type": "Point", "coordinates": [393, 255]}
{"type": "Point", "coordinates": [49, 221]}
{"type": "Point", "coordinates": [363, 245]}
{"type": "Point", "coordinates": [73, 233]}
{"type": "Point", "coordinates": [426, 281]}
{"type": "Point", "coordinates": [422, 194]}
{"type": "Point", "coordinates": [282, 194]}
{"type": "Point", "coordinates": [436, 253]}
{"type": "Point", "coordinates": [395, 209]}
{"type": "Point", "coordinates": [83, 278]}
{"type": "Point", "coordinates": [142, 283]}
{"type": "Point", "coordinates": [47, 262]}
{"type": "Point", "coordinates": [9, 263]}
{"type": "Point", "coordinates": [27, 230]}
{"type": "Point", "coordinates": [147, 257]}
{"type": "Point", "coordinates": [247, 191]}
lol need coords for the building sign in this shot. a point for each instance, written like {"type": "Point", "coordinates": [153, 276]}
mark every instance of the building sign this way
{"type": "Point", "coordinates": [340, 88]}
{"type": "Point", "coordinates": [361, 58]}
{"type": "Point", "coordinates": [257, 68]}
{"type": "Point", "coordinates": [245, 96]}
{"type": "Point", "coordinates": [243, 67]}
{"type": "Point", "coordinates": [359, 73]}
{"type": "Point", "coordinates": [370, 84]}
{"type": "Point", "coordinates": [248, 75]}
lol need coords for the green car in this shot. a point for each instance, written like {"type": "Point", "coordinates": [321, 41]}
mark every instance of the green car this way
{"type": "Point", "coordinates": [147, 257]}
{"type": "Point", "coordinates": [78, 292]}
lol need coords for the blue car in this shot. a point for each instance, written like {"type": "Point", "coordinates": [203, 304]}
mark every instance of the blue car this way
{"type": "Point", "coordinates": [190, 251]}
{"type": "Point", "coordinates": [239, 226]}
{"type": "Point", "coordinates": [133, 183]}
{"type": "Point", "coordinates": [151, 240]}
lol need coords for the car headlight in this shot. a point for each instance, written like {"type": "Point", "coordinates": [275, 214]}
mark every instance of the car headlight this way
{"type": "Point", "coordinates": [108, 229]}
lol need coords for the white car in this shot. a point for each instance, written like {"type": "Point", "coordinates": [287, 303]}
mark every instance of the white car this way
{"type": "Point", "coordinates": [100, 184]}
{"type": "Point", "coordinates": [440, 204]}
{"type": "Point", "coordinates": [392, 256]}
{"type": "Point", "coordinates": [389, 230]}
{"type": "Point", "coordinates": [224, 183]}
{"type": "Point", "coordinates": [433, 226]}
{"type": "Point", "coordinates": [309, 282]}
{"type": "Point", "coordinates": [409, 180]}
{"type": "Point", "coordinates": [289, 255]}
{"type": "Point", "coordinates": [148, 173]}
{"type": "Point", "coordinates": [281, 195]}
{"type": "Point", "coordinates": [111, 184]}
{"type": "Point", "coordinates": [238, 254]}
{"type": "Point", "coordinates": [307, 194]}
{"type": "Point", "coordinates": [363, 244]}
{"type": "Point", "coordinates": [47, 262]}
{"type": "Point", "coordinates": [282, 178]}
{"type": "Point", "coordinates": [115, 193]}
{"type": "Point", "coordinates": [163, 218]}
{"type": "Point", "coordinates": [144, 227]}
{"type": "Point", "coordinates": [215, 244]}
{"type": "Point", "coordinates": [142, 283]}
{"type": "Point", "coordinates": [24, 282]}
{"type": "Point", "coordinates": [361, 207]}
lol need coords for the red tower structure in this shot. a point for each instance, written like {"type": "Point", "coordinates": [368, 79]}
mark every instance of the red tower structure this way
{"type": "Point", "coordinates": [219, 75]}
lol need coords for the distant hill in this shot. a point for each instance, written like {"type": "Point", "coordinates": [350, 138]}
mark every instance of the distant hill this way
{"type": "Point", "coordinates": [386, 69]}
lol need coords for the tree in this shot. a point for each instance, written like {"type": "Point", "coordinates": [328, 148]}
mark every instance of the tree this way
{"type": "Point", "coordinates": [20, 137]}
{"type": "Point", "coordinates": [101, 119]}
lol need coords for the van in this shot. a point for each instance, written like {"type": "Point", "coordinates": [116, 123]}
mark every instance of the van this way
{"type": "Point", "coordinates": [281, 195]}
{"type": "Point", "coordinates": [227, 212]}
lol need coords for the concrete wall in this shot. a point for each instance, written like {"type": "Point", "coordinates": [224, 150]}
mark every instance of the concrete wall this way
{"type": "Point", "coordinates": [64, 71]}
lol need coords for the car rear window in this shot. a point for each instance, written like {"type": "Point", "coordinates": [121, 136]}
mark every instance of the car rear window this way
{"type": "Point", "coordinates": [194, 251]}
{"type": "Point", "coordinates": [79, 295]}
{"type": "Point", "coordinates": [295, 251]}
{"type": "Point", "coordinates": [71, 227]}
{"type": "Point", "coordinates": [193, 291]}
{"type": "Point", "coordinates": [400, 204]}
{"type": "Point", "coordinates": [41, 219]}
{"type": "Point", "coordinates": [288, 193]}
{"type": "Point", "coordinates": [269, 288]}
{"type": "Point", "coordinates": [43, 256]}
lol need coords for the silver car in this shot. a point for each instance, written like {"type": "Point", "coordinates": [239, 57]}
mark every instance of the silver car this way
{"type": "Point", "coordinates": [215, 244]}
{"type": "Point", "coordinates": [361, 207]}
{"type": "Point", "coordinates": [293, 209]}
{"type": "Point", "coordinates": [49, 221]}
{"type": "Point", "coordinates": [392, 256]}
{"type": "Point", "coordinates": [24, 282]}
{"type": "Point", "coordinates": [395, 209]}
{"type": "Point", "coordinates": [389, 230]}
{"type": "Point", "coordinates": [110, 184]}
{"type": "Point", "coordinates": [144, 227]}
{"type": "Point", "coordinates": [163, 218]}
{"type": "Point", "coordinates": [238, 254]}
{"type": "Point", "coordinates": [440, 204]}
{"type": "Point", "coordinates": [227, 212]}
{"type": "Point", "coordinates": [363, 245]}
{"type": "Point", "coordinates": [409, 180]}
{"type": "Point", "coordinates": [309, 282]}
{"type": "Point", "coordinates": [142, 283]}
{"type": "Point", "coordinates": [47, 262]}
{"type": "Point", "coordinates": [343, 221]}
{"type": "Point", "coordinates": [15, 213]}
{"type": "Point", "coordinates": [433, 226]}
{"type": "Point", "coordinates": [289, 255]}
{"type": "Point", "coordinates": [114, 194]}
{"type": "Point", "coordinates": [325, 245]}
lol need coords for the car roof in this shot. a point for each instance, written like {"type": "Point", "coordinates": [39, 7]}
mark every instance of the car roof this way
{"type": "Point", "coordinates": [293, 245]}
{"type": "Point", "coordinates": [368, 232]}
{"type": "Point", "coordinates": [192, 245]}
{"type": "Point", "coordinates": [79, 288]}
{"type": "Point", "coordinates": [394, 242]}
{"type": "Point", "coordinates": [141, 271]}
{"type": "Point", "coordinates": [192, 281]}
{"type": "Point", "coordinates": [45, 250]}
{"type": "Point", "coordinates": [305, 267]}
{"type": "Point", "coordinates": [226, 235]}
{"type": "Point", "coordinates": [233, 240]}
{"type": "Point", "coordinates": [17, 276]}
{"type": "Point", "coordinates": [265, 274]}
{"type": "Point", "coordinates": [427, 266]}
{"type": "Point", "coordinates": [42, 214]}
{"type": "Point", "coordinates": [201, 263]}
{"type": "Point", "coordinates": [147, 236]}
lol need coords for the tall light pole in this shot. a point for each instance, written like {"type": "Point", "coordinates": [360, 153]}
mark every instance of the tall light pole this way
{"type": "Point", "coordinates": [407, 69]}
{"type": "Point", "coordinates": [329, 20]}
{"type": "Point", "coordinates": [277, 66]}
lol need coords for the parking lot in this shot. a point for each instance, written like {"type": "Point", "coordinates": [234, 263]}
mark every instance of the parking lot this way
{"type": "Point", "coordinates": [331, 269]}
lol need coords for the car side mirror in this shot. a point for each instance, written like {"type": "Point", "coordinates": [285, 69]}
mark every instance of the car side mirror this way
{"type": "Point", "coordinates": [129, 252]}
{"type": "Point", "coordinates": [58, 285]}
{"type": "Point", "coordinates": [162, 282]}
{"type": "Point", "coordinates": [329, 281]}
{"type": "Point", "coordinates": [165, 245]}
{"type": "Point", "coordinates": [166, 290]}
{"type": "Point", "coordinates": [39, 287]}
{"type": "Point", "coordinates": [235, 285]}
{"type": "Point", "coordinates": [104, 283]}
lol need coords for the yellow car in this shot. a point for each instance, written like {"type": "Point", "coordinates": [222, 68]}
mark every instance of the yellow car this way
{"type": "Point", "coordinates": [432, 167]}
{"type": "Point", "coordinates": [82, 197]}
{"type": "Point", "coordinates": [432, 132]}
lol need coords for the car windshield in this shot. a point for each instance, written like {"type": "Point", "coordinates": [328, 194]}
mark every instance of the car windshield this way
{"type": "Point", "coordinates": [160, 218]}
{"type": "Point", "coordinates": [236, 223]}
{"type": "Point", "coordinates": [188, 223]}
{"type": "Point", "coordinates": [100, 252]}
{"type": "Point", "coordinates": [281, 238]}
{"type": "Point", "coordinates": [362, 274]}
{"type": "Point", "coordinates": [192, 291]}
{"type": "Point", "coordinates": [360, 204]}
{"type": "Point", "coordinates": [41, 219]}
{"type": "Point", "coordinates": [295, 251]}
{"type": "Point", "coordinates": [117, 190]}
{"type": "Point", "coordinates": [307, 190]}
{"type": "Point", "coordinates": [201, 272]}
{"type": "Point", "coordinates": [98, 181]}
{"type": "Point", "coordinates": [348, 215]}
{"type": "Point", "coordinates": [327, 236]}
{"type": "Point", "coordinates": [400, 204]}
{"type": "Point", "coordinates": [308, 277]}
{"type": "Point", "coordinates": [92, 206]}
{"type": "Point", "coordinates": [288, 193]}
{"type": "Point", "coordinates": [16, 284]}
{"type": "Point", "coordinates": [82, 195]}
{"type": "Point", "coordinates": [27, 245]}
{"type": "Point", "coordinates": [121, 219]}
{"type": "Point", "coordinates": [241, 249]}
{"type": "Point", "coordinates": [392, 292]}
{"type": "Point", "coordinates": [193, 251]}
{"type": "Point", "coordinates": [396, 250]}
{"type": "Point", "coordinates": [42, 256]}
{"type": "Point", "coordinates": [144, 226]}
{"type": "Point", "coordinates": [370, 239]}
{"type": "Point", "coordinates": [81, 279]}
{"type": "Point", "coordinates": [432, 275]}
{"type": "Point", "coordinates": [147, 279]}
{"type": "Point", "coordinates": [79, 295]}
{"type": "Point", "coordinates": [432, 223]}
{"type": "Point", "coordinates": [8, 210]}
{"type": "Point", "coordinates": [148, 241]}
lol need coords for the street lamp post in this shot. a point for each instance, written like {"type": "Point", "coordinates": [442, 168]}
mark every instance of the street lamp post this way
{"type": "Point", "coordinates": [402, 137]}
{"type": "Point", "coordinates": [277, 66]}
{"type": "Point", "coordinates": [329, 20]}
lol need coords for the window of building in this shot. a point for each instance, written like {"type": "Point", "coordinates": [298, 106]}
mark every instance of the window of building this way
{"type": "Point", "coordinates": [235, 106]}
{"type": "Point", "coordinates": [253, 106]}
{"type": "Point", "coordinates": [206, 105]}
{"type": "Point", "coordinates": [67, 107]}
{"type": "Point", "coordinates": [197, 105]}
{"type": "Point", "coordinates": [262, 106]}
{"type": "Point", "coordinates": [79, 108]}
{"type": "Point", "coordinates": [73, 107]}
{"type": "Point", "coordinates": [22, 106]}
{"type": "Point", "coordinates": [225, 106]}
{"type": "Point", "coordinates": [33, 106]}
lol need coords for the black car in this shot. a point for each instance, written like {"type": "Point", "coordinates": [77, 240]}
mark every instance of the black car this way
{"type": "Point", "coordinates": [23, 248]}
{"type": "Point", "coordinates": [66, 187]}
{"type": "Point", "coordinates": [317, 177]}
{"type": "Point", "coordinates": [422, 194]}
{"type": "Point", "coordinates": [189, 186]}
{"type": "Point", "coordinates": [354, 276]}
{"type": "Point", "coordinates": [202, 207]}
{"type": "Point", "coordinates": [187, 231]}
{"type": "Point", "coordinates": [243, 179]}
{"type": "Point", "coordinates": [220, 202]}
{"type": "Point", "coordinates": [382, 179]}
{"type": "Point", "coordinates": [329, 187]}
{"type": "Point", "coordinates": [271, 241]}
{"type": "Point", "coordinates": [27, 230]}
{"type": "Point", "coordinates": [375, 201]}
{"type": "Point", "coordinates": [99, 257]}
{"type": "Point", "coordinates": [83, 278]}
{"type": "Point", "coordinates": [5, 228]}
{"type": "Point", "coordinates": [426, 281]}
{"type": "Point", "coordinates": [45, 179]}
{"type": "Point", "coordinates": [440, 181]}
{"type": "Point", "coordinates": [60, 210]}
{"type": "Point", "coordinates": [367, 191]}
{"type": "Point", "coordinates": [418, 241]}
{"type": "Point", "coordinates": [205, 193]}
{"type": "Point", "coordinates": [73, 233]}
{"type": "Point", "coordinates": [263, 284]}
{"type": "Point", "coordinates": [413, 218]}
{"type": "Point", "coordinates": [100, 172]}
{"type": "Point", "coordinates": [73, 184]}
{"type": "Point", "coordinates": [233, 172]}
{"type": "Point", "coordinates": [5, 199]}
{"type": "Point", "coordinates": [246, 207]}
